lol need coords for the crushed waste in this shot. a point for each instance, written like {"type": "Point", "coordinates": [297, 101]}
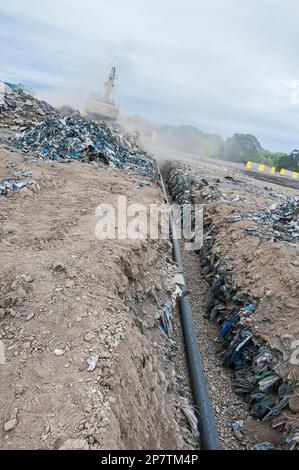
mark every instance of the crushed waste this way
{"type": "Point", "coordinates": [45, 133]}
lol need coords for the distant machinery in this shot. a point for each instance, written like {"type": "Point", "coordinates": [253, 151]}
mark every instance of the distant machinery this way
{"type": "Point", "coordinates": [104, 108]}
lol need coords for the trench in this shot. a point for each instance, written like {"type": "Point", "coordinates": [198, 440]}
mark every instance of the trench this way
{"type": "Point", "coordinates": [204, 412]}
{"type": "Point", "coordinates": [228, 406]}
{"type": "Point", "coordinates": [230, 410]}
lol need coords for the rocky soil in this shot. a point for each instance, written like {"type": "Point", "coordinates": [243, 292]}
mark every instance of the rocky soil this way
{"type": "Point", "coordinates": [83, 361]}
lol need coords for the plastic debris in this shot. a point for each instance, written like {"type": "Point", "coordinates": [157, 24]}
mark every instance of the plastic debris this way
{"type": "Point", "coordinates": [227, 326]}
{"type": "Point", "coordinates": [277, 408]}
{"type": "Point", "coordinates": [92, 363]}
{"type": "Point", "coordinates": [263, 446]}
{"type": "Point", "coordinates": [192, 420]}
{"type": "Point", "coordinates": [11, 185]}
{"type": "Point", "coordinates": [23, 174]}
{"type": "Point", "coordinates": [281, 221]}
{"type": "Point", "coordinates": [143, 183]}
{"type": "Point", "coordinates": [234, 218]}
{"type": "Point", "coordinates": [292, 440]}
{"type": "Point", "coordinates": [276, 223]}
{"type": "Point", "coordinates": [64, 139]}
{"type": "Point", "coordinates": [239, 431]}
{"type": "Point", "coordinates": [267, 382]}
{"type": "Point", "coordinates": [164, 321]}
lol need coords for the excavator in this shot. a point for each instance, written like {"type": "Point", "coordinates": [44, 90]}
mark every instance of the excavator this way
{"type": "Point", "coordinates": [103, 108]}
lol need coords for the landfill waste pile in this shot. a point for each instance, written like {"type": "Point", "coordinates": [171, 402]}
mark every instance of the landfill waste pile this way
{"type": "Point", "coordinates": [19, 111]}
{"type": "Point", "coordinates": [50, 135]}
{"type": "Point", "coordinates": [264, 374]}
{"type": "Point", "coordinates": [74, 138]}
{"type": "Point", "coordinates": [46, 133]}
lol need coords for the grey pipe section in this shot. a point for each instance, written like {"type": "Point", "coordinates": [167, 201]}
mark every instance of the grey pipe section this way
{"type": "Point", "coordinates": [207, 427]}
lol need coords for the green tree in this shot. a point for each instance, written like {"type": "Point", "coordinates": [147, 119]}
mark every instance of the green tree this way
{"type": "Point", "coordinates": [242, 148]}
{"type": "Point", "coordinates": [267, 158]}
{"type": "Point", "coordinates": [289, 161]}
{"type": "Point", "coordinates": [271, 158]}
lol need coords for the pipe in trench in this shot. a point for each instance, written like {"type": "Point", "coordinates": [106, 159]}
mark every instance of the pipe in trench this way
{"type": "Point", "coordinates": [207, 427]}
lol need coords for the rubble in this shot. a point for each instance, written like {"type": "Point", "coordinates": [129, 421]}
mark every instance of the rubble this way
{"type": "Point", "coordinates": [19, 111]}
{"type": "Point", "coordinates": [74, 138]}
{"type": "Point", "coordinates": [59, 352]}
{"type": "Point", "coordinates": [46, 133]}
{"type": "Point", "coordinates": [9, 425]}
{"type": "Point", "coordinates": [279, 222]}
{"type": "Point", "coordinates": [75, 444]}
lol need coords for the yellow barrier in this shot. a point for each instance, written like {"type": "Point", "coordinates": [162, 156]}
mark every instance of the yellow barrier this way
{"type": "Point", "coordinates": [272, 170]}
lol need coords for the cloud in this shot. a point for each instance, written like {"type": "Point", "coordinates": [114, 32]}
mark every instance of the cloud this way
{"type": "Point", "coordinates": [223, 65]}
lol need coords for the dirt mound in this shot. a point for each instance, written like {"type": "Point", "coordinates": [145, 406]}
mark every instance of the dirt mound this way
{"type": "Point", "coordinates": [84, 363]}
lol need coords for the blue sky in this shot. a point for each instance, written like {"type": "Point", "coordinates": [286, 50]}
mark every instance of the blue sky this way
{"type": "Point", "coordinates": [225, 66]}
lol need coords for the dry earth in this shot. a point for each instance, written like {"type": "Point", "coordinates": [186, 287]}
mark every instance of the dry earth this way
{"type": "Point", "coordinates": [70, 302]}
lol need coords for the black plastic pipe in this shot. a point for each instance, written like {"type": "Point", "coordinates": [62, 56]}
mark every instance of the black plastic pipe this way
{"type": "Point", "coordinates": [207, 427]}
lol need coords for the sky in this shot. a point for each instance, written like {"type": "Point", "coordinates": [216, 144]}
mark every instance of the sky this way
{"type": "Point", "coordinates": [225, 66]}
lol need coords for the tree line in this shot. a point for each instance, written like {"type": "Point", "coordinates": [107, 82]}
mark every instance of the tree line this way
{"type": "Point", "coordinates": [239, 148]}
